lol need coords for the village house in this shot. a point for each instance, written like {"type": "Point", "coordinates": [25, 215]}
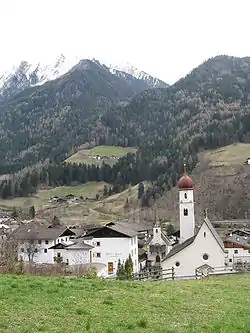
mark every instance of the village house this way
{"type": "Point", "coordinates": [198, 249]}
{"type": "Point", "coordinates": [35, 240]}
{"type": "Point", "coordinates": [72, 252]}
{"type": "Point", "coordinates": [111, 243]}
{"type": "Point", "coordinates": [237, 247]}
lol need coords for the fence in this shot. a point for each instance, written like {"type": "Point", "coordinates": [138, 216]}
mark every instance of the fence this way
{"type": "Point", "coordinates": [156, 274]}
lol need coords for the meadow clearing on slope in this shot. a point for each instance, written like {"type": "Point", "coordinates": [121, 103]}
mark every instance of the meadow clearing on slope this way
{"type": "Point", "coordinates": [42, 304]}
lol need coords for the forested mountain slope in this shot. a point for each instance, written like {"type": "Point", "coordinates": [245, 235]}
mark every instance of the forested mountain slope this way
{"type": "Point", "coordinates": [208, 108]}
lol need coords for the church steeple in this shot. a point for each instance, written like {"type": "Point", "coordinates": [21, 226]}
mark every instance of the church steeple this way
{"type": "Point", "coordinates": [186, 206]}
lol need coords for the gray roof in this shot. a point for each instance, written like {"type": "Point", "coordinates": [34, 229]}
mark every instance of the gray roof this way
{"type": "Point", "coordinates": [139, 227]}
{"type": "Point", "coordinates": [39, 232]}
{"type": "Point", "coordinates": [78, 244]}
{"type": "Point", "coordinates": [240, 240]}
{"type": "Point", "coordinates": [122, 230]}
{"type": "Point", "coordinates": [214, 232]}
{"type": "Point", "coordinates": [179, 247]}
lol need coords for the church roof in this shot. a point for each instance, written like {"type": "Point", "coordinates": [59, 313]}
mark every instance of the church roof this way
{"type": "Point", "coordinates": [179, 247]}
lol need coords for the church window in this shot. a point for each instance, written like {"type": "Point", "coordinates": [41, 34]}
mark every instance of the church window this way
{"type": "Point", "coordinates": [156, 230]}
{"type": "Point", "coordinates": [230, 260]}
{"type": "Point", "coordinates": [205, 256]}
{"type": "Point", "coordinates": [185, 212]}
{"type": "Point", "coordinates": [185, 195]}
{"type": "Point", "coordinates": [177, 263]}
{"type": "Point", "coordinates": [157, 259]}
{"type": "Point", "coordinates": [205, 234]}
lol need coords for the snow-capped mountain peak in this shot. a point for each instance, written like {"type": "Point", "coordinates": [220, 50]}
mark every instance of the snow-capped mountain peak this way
{"type": "Point", "coordinates": [138, 74]}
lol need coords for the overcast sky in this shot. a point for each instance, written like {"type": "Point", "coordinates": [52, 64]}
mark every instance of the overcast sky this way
{"type": "Point", "coordinates": [166, 38]}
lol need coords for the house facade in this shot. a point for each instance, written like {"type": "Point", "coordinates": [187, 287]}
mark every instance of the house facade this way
{"type": "Point", "coordinates": [35, 242]}
{"type": "Point", "coordinates": [112, 243]}
{"type": "Point", "coordinates": [237, 247]}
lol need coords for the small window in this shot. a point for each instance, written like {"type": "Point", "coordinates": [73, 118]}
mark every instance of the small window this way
{"type": "Point", "coordinates": [98, 244]}
{"type": "Point", "coordinates": [98, 255]}
{"type": "Point", "coordinates": [22, 249]}
{"type": "Point", "coordinates": [131, 241]}
{"type": "Point", "coordinates": [185, 212]}
{"type": "Point", "coordinates": [156, 230]}
{"type": "Point", "coordinates": [67, 261]}
{"type": "Point", "coordinates": [132, 253]}
{"type": "Point", "coordinates": [236, 251]}
{"type": "Point", "coordinates": [45, 250]}
{"type": "Point", "coordinates": [46, 242]}
{"type": "Point", "coordinates": [204, 234]}
{"type": "Point", "coordinates": [39, 242]}
{"type": "Point", "coordinates": [58, 255]}
{"type": "Point", "coordinates": [205, 256]}
{"type": "Point", "coordinates": [185, 195]}
{"type": "Point", "coordinates": [135, 252]}
{"type": "Point", "coordinates": [177, 263]}
{"type": "Point", "coordinates": [66, 239]}
{"type": "Point", "coordinates": [135, 262]}
{"type": "Point", "coordinates": [230, 260]}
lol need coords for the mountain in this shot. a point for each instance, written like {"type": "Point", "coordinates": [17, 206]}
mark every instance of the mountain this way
{"type": "Point", "coordinates": [130, 72]}
{"type": "Point", "coordinates": [26, 75]}
{"type": "Point", "coordinates": [209, 108]}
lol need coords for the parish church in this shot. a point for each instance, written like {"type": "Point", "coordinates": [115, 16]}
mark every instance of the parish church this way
{"type": "Point", "coordinates": [199, 248]}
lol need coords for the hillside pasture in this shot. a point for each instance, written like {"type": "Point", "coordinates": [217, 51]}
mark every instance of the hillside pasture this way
{"type": "Point", "coordinates": [47, 304]}
{"type": "Point", "coordinates": [108, 154]}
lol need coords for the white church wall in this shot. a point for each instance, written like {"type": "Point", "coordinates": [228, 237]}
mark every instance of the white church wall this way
{"type": "Point", "coordinates": [191, 257]}
{"type": "Point", "coordinates": [186, 206]}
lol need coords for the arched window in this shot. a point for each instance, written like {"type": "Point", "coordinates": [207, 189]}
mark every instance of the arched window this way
{"type": "Point", "coordinates": [185, 212]}
{"type": "Point", "coordinates": [205, 234]}
{"type": "Point", "coordinates": [157, 258]}
{"type": "Point", "coordinates": [185, 195]}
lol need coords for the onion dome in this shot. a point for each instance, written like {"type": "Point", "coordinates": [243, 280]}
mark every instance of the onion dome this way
{"type": "Point", "coordinates": [185, 182]}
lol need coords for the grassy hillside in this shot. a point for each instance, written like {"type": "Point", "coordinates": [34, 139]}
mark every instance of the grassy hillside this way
{"type": "Point", "coordinates": [222, 183]}
{"type": "Point", "coordinates": [40, 304]}
{"type": "Point", "coordinates": [105, 152]}
{"type": "Point", "coordinates": [100, 211]}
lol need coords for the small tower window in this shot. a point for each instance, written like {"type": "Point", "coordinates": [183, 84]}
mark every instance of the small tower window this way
{"type": "Point", "coordinates": [156, 230]}
{"type": "Point", "coordinates": [205, 234]}
{"type": "Point", "coordinates": [185, 212]}
{"type": "Point", "coordinates": [185, 195]}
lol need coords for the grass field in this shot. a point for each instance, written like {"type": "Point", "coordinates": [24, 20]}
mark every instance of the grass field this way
{"type": "Point", "coordinates": [234, 154]}
{"type": "Point", "coordinates": [87, 155]}
{"type": "Point", "coordinates": [41, 304]}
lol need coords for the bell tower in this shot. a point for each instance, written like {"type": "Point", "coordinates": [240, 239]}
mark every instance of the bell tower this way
{"type": "Point", "coordinates": [186, 207]}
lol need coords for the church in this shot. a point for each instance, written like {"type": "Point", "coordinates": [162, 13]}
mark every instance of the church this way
{"type": "Point", "coordinates": [199, 249]}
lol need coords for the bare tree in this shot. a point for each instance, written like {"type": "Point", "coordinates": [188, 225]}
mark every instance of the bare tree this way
{"type": "Point", "coordinates": [30, 247]}
{"type": "Point", "coordinates": [8, 253]}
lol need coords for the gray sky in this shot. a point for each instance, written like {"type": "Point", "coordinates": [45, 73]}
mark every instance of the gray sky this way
{"type": "Point", "coordinates": [166, 38]}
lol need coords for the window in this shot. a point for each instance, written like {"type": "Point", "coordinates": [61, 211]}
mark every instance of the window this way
{"type": "Point", "coordinates": [66, 239]}
{"type": "Point", "coordinates": [58, 255]}
{"type": "Point", "coordinates": [45, 250]}
{"type": "Point", "coordinates": [132, 253]}
{"type": "Point", "coordinates": [230, 260]}
{"type": "Point", "coordinates": [185, 195]}
{"type": "Point", "coordinates": [156, 230]}
{"type": "Point", "coordinates": [98, 244]}
{"type": "Point", "coordinates": [205, 256]}
{"type": "Point", "coordinates": [98, 255]}
{"type": "Point", "coordinates": [46, 242]}
{"type": "Point", "coordinates": [185, 212]}
{"type": "Point", "coordinates": [131, 241]}
{"type": "Point", "coordinates": [22, 249]}
{"type": "Point", "coordinates": [135, 252]}
{"type": "Point", "coordinates": [204, 234]}
{"type": "Point", "coordinates": [39, 242]}
{"type": "Point", "coordinates": [236, 251]}
{"type": "Point", "coordinates": [177, 263]}
{"type": "Point", "coordinates": [67, 261]}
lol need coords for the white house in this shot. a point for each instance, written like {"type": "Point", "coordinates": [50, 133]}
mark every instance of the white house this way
{"type": "Point", "coordinates": [197, 251]}
{"type": "Point", "coordinates": [35, 241]}
{"type": "Point", "coordinates": [73, 252]}
{"type": "Point", "coordinates": [111, 243]}
{"type": "Point", "coordinates": [237, 247]}
{"type": "Point", "coordinates": [158, 246]}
